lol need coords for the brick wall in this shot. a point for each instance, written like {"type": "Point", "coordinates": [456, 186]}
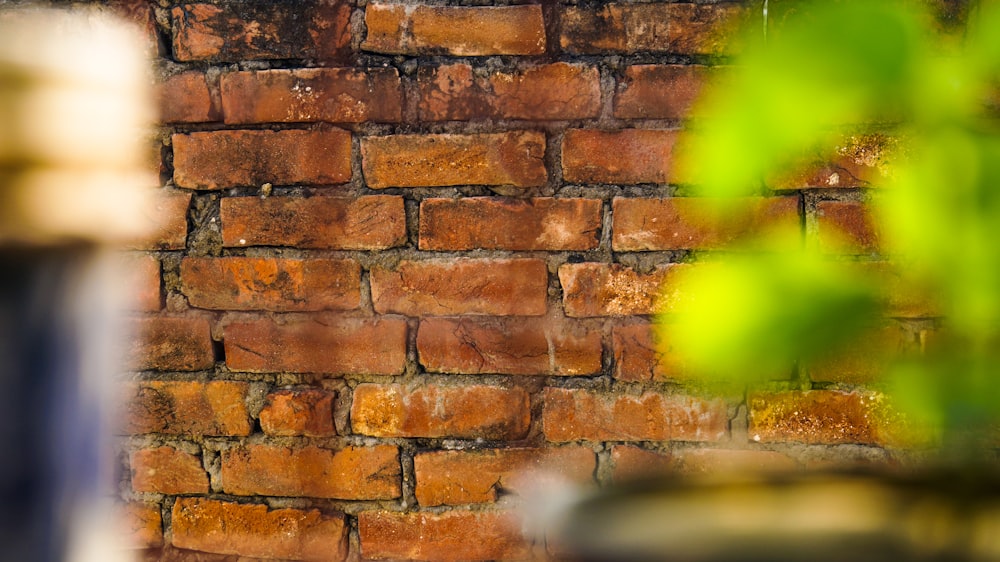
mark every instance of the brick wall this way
{"type": "Point", "coordinates": [411, 250]}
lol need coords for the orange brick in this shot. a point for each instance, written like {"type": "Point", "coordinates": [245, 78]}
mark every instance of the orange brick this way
{"type": "Point", "coordinates": [659, 91]}
{"type": "Point", "coordinates": [819, 417]}
{"type": "Point", "coordinates": [502, 159]}
{"type": "Point", "coordinates": [167, 343]}
{"type": "Point", "coordinates": [632, 463]}
{"type": "Point", "coordinates": [641, 355]}
{"type": "Point", "coordinates": [461, 286]}
{"type": "Point", "coordinates": [444, 537]}
{"type": "Point", "coordinates": [219, 159]}
{"type": "Point", "coordinates": [236, 283]}
{"type": "Point", "coordinates": [185, 98]}
{"type": "Point", "coordinates": [187, 408]}
{"type": "Point", "coordinates": [846, 227]}
{"type": "Point", "coordinates": [142, 525]}
{"type": "Point", "coordinates": [637, 156]}
{"type": "Point", "coordinates": [168, 218]}
{"type": "Point", "coordinates": [510, 224]}
{"type": "Point", "coordinates": [862, 160]}
{"type": "Point", "coordinates": [508, 346]}
{"type": "Point", "coordinates": [600, 289]}
{"type": "Point", "coordinates": [453, 30]}
{"type": "Point", "coordinates": [306, 412]}
{"type": "Point", "coordinates": [165, 470]}
{"type": "Point", "coordinates": [707, 461]}
{"type": "Point", "coordinates": [467, 412]}
{"type": "Point", "coordinates": [144, 283]}
{"type": "Point", "coordinates": [351, 473]}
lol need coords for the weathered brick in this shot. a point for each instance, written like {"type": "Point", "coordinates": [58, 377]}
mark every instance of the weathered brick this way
{"type": "Point", "coordinates": [600, 289]}
{"type": "Point", "coordinates": [468, 412]}
{"type": "Point", "coordinates": [276, 284]}
{"type": "Point", "coordinates": [351, 473]}
{"type": "Point", "coordinates": [254, 530]}
{"type": "Point", "coordinates": [219, 159]}
{"type": "Point", "coordinates": [510, 224]}
{"type": "Point", "coordinates": [533, 346]}
{"type": "Point", "coordinates": [556, 91]}
{"type": "Point", "coordinates": [641, 354]}
{"type": "Point", "coordinates": [317, 345]}
{"type": "Point", "coordinates": [630, 462]}
{"type": "Point", "coordinates": [444, 537]}
{"type": "Point", "coordinates": [316, 29]}
{"type": "Point", "coordinates": [373, 222]}
{"type": "Point", "coordinates": [639, 156]}
{"type": "Point", "coordinates": [865, 360]}
{"type": "Point", "coordinates": [306, 412]}
{"type": "Point", "coordinates": [167, 343]}
{"type": "Point", "coordinates": [169, 214]}
{"type": "Point", "coordinates": [461, 286]}
{"type": "Point", "coordinates": [862, 160]}
{"type": "Point", "coordinates": [454, 30]}
{"type": "Point", "coordinates": [185, 98]}
{"type": "Point", "coordinates": [571, 415]}
{"type": "Point", "coordinates": [461, 477]}
{"type": "Point", "coordinates": [166, 470]}
{"type": "Point", "coordinates": [142, 525]}
{"type": "Point", "coordinates": [846, 227]}
{"type": "Point", "coordinates": [187, 408]}
{"type": "Point", "coordinates": [503, 159]}
{"type": "Point", "coordinates": [820, 417]}
{"type": "Point", "coordinates": [659, 91]}
{"type": "Point", "coordinates": [902, 295]}
{"type": "Point", "coordinates": [144, 283]}
{"type": "Point", "coordinates": [333, 95]}
{"type": "Point", "coordinates": [697, 223]}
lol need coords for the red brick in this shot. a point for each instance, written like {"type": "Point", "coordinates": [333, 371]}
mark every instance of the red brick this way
{"type": "Point", "coordinates": [373, 222]}
{"type": "Point", "coordinates": [462, 477]}
{"type": "Point", "coordinates": [317, 345]}
{"type": "Point", "coordinates": [187, 408]}
{"type": "Point", "coordinates": [333, 95]}
{"type": "Point", "coordinates": [468, 412]}
{"type": "Point", "coordinates": [571, 415]}
{"type": "Point", "coordinates": [237, 283]}
{"type": "Point", "coordinates": [863, 160]}
{"type": "Point", "coordinates": [846, 227]}
{"type": "Point", "coordinates": [557, 91]}
{"type": "Point", "coordinates": [185, 98]}
{"type": "Point", "coordinates": [820, 417]}
{"type": "Point", "coordinates": [315, 29]}
{"type": "Point", "coordinates": [444, 537]}
{"type": "Point", "coordinates": [461, 286]}
{"type": "Point", "coordinates": [165, 343]}
{"type": "Point", "coordinates": [600, 289]}
{"type": "Point", "coordinates": [169, 215]}
{"type": "Point", "coordinates": [142, 525]}
{"type": "Point", "coordinates": [254, 530]}
{"type": "Point", "coordinates": [351, 473]}
{"type": "Point", "coordinates": [659, 91]}
{"type": "Point", "coordinates": [629, 156]}
{"type": "Point", "coordinates": [533, 346]}
{"type": "Point", "coordinates": [504, 159]}
{"type": "Point", "coordinates": [453, 30]}
{"type": "Point", "coordinates": [632, 463]}
{"type": "Point", "coordinates": [219, 159]}
{"type": "Point", "coordinates": [696, 223]}
{"type": "Point", "coordinates": [144, 283]}
{"type": "Point", "coordinates": [306, 412]}
{"type": "Point", "coordinates": [510, 224]}
{"type": "Point", "coordinates": [641, 355]}
{"type": "Point", "coordinates": [165, 470]}
{"type": "Point", "coordinates": [866, 359]}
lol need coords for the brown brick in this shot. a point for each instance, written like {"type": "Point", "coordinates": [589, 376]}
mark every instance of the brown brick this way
{"type": "Point", "coordinates": [169, 214]}
{"type": "Point", "coordinates": [315, 29]}
{"type": "Point", "coordinates": [846, 227]}
{"type": "Point", "coordinates": [142, 525]}
{"type": "Point", "coordinates": [143, 273]}
{"type": "Point", "coordinates": [461, 286]}
{"type": "Point", "coordinates": [555, 91]}
{"type": "Point", "coordinates": [165, 470]}
{"type": "Point", "coordinates": [697, 223]}
{"type": "Point", "coordinates": [866, 359]}
{"type": "Point", "coordinates": [632, 463]}
{"type": "Point", "coordinates": [743, 461]}
{"type": "Point", "coordinates": [373, 222]}
{"type": "Point", "coordinates": [187, 408]}
{"type": "Point", "coordinates": [504, 159]}
{"type": "Point", "coordinates": [600, 289]}
{"type": "Point", "coordinates": [659, 91]}
{"type": "Point", "coordinates": [461, 477]}
{"type": "Point", "coordinates": [641, 354]}
{"type": "Point", "coordinates": [510, 224]}
{"type": "Point", "coordinates": [185, 98]}
{"type": "Point", "coordinates": [219, 159]}
{"type": "Point", "coordinates": [819, 417]}
{"type": "Point", "coordinates": [351, 473]}
{"type": "Point", "coordinates": [629, 156]}
{"type": "Point", "coordinates": [306, 412]}
{"type": "Point", "coordinates": [453, 30]}
{"type": "Point", "coordinates": [570, 415]}
{"type": "Point", "coordinates": [164, 343]}
{"type": "Point", "coordinates": [467, 412]}
{"type": "Point", "coordinates": [254, 530]}
{"type": "Point", "coordinates": [276, 284]}
{"type": "Point", "coordinates": [333, 95]}
{"type": "Point", "coordinates": [863, 160]}
{"type": "Point", "coordinates": [317, 345]}
{"type": "Point", "coordinates": [520, 346]}
{"type": "Point", "coordinates": [444, 537]}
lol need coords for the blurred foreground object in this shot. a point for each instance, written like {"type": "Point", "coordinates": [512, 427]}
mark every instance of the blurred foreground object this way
{"type": "Point", "coordinates": [73, 181]}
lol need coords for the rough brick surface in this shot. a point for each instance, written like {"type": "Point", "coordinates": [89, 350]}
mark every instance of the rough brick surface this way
{"type": "Point", "coordinates": [867, 358]}
{"type": "Point", "coordinates": [219, 159]}
{"type": "Point", "coordinates": [236, 283]}
{"type": "Point", "coordinates": [253, 530]}
{"type": "Point", "coordinates": [306, 412]}
{"type": "Point", "coordinates": [142, 525]}
{"type": "Point", "coordinates": [449, 287]}
{"type": "Point", "coordinates": [639, 156]}
{"type": "Point", "coordinates": [862, 160]}
{"type": "Point", "coordinates": [452, 536]}
{"type": "Point", "coordinates": [317, 345]}
{"type": "Point", "coordinates": [508, 346]}
{"type": "Point", "coordinates": [641, 354]}
{"type": "Point", "coordinates": [819, 416]}
{"type": "Point", "coordinates": [503, 159]}
{"type": "Point", "coordinates": [846, 227]}
{"type": "Point", "coordinates": [510, 224]}
{"type": "Point", "coordinates": [599, 289]}
{"type": "Point", "coordinates": [659, 91]}
{"type": "Point", "coordinates": [166, 470]}
{"type": "Point", "coordinates": [187, 408]}
{"type": "Point", "coordinates": [470, 412]}
{"type": "Point", "coordinates": [453, 30]}
{"type": "Point", "coordinates": [186, 98]}
{"type": "Point", "coordinates": [337, 223]}
{"type": "Point", "coordinates": [170, 343]}
{"type": "Point", "coordinates": [354, 473]}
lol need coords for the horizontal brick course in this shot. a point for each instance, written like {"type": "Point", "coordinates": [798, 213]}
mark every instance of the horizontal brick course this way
{"type": "Point", "coordinates": [186, 98]}
{"type": "Point", "coordinates": [641, 354]}
{"type": "Point", "coordinates": [306, 412]}
{"type": "Point", "coordinates": [600, 289]}
{"type": "Point", "coordinates": [186, 408]}
{"type": "Point", "coordinates": [166, 470]}
{"type": "Point", "coordinates": [846, 227]}
{"type": "Point", "coordinates": [659, 91]}
{"type": "Point", "coordinates": [170, 343]}
{"type": "Point", "coordinates": [639, 156]}
{"type": "Point", "coordinates": [821, 417]}
{"type": "Point", "coordinates": [445, 537]}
